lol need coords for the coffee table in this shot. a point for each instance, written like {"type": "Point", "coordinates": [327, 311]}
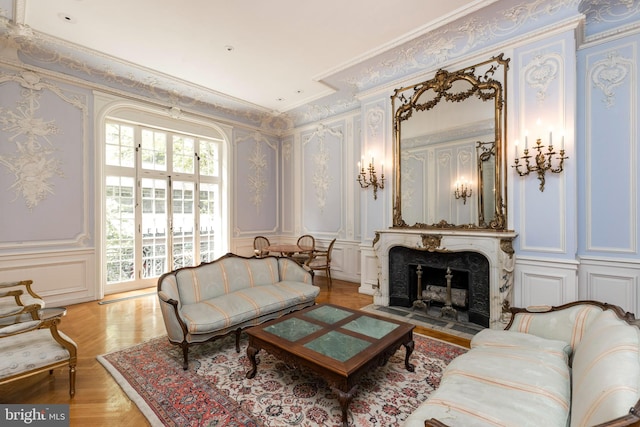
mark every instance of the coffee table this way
{"type": "Point", "coordinates": [337, 343]}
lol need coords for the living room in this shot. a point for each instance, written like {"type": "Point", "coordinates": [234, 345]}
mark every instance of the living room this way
{"type": "Point", "coordinates": [290, 167]}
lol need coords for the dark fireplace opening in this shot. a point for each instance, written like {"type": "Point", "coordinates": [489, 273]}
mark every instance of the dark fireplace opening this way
{"type": "Point", "coordinates": [469, 281]}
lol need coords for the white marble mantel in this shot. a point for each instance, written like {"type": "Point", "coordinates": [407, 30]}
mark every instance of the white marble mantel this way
{"type": "Point", "coordinates": [496, 246]}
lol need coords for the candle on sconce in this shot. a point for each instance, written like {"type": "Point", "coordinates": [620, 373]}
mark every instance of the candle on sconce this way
{"type": "Point", "coordinates": [562, 142]}
{"type": "Point", "coordinates": [382, 167]}
{"type": "Point", "coordinates": [526, 139]}
{"type": "Point", "coordinates": [550, 138]}
{"type": "Point", "coordinates": [516, 145]}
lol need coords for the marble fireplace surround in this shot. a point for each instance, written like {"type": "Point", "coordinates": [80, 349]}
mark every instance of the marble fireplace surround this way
{"type": "Point", "coordinates": [496, 246]}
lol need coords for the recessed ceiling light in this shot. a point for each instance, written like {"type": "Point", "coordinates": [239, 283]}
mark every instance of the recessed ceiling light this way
{"type": "Point", "coordinates": [279, 99]}
{"type": "Point", "coordinates": [299, 91]}
{"type": "Point", "coordinates": [229, 48]}
{"type": "Point", "coordinates": [67, 18]}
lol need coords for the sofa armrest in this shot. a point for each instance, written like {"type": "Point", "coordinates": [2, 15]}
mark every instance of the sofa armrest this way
{"type": "Point", "coordinates": [170, 307]}
{"type": "Point", "coordinates": [164, 297]}
{"type": "Point", "coordinates": [632, 419]}
{"type": "Point", "coordinates": [291, 271]}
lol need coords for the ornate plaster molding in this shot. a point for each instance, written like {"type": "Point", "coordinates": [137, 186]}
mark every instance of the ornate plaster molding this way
{"type": "Point", "coordinates": [375, 121]}
{"type": "Point", "coordinates": [609, 10]}
{"type": "Point", "coordinates": [258, 164]}
{"type": "Point", "coordinates": [610, 73]}
{"type": "Point", "coordinates": [34, 163]}
{"type": "Point", "coordinates": [322, 159]}
{"type": "Point", "coordinates": [540, 72]}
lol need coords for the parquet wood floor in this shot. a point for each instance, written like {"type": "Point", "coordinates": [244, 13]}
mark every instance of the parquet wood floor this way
{"type": "Point", "coordinates": [99, 329]}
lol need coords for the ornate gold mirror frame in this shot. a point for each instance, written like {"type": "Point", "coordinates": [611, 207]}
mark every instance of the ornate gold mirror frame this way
{"type": "Point", "coordinates": [488, 85]}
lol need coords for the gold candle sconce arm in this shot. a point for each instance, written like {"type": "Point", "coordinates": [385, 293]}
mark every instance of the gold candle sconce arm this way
{"type": "Point", "coordinates": [463, 192]}
{"type": "Point", "coordinates": [542, 162]}
{"type": "Point", "coordinates": [370, 179]}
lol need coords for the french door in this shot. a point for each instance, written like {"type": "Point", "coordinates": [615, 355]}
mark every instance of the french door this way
{"type": "Point", "coordinates": [162, 203]}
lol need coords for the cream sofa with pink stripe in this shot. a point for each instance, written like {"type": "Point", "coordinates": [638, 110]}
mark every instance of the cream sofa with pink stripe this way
{"type": "Point", "coordinates": [229, 294]}
{"type": "Point", "coordinates": [574, 365]}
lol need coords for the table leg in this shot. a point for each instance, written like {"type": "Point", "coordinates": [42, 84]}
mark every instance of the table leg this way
{"type": "Point", "coordinates": [409, 347]}
{"type": "Point", "coordinates": [345, 399]}
{"type": "Point", "coordinates": [251, 354]}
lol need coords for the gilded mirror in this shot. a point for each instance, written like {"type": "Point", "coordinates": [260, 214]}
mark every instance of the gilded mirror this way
{"type": "Point", "coordinates": [449, 149]}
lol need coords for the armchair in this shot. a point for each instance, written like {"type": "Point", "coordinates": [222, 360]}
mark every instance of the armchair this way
{"type": "Point", "coordinates": [307, 244]}
{"type": "Point", "coordinates": [23, 295]}
{"type": "Point", "coordinates": [259, 245]}
{"type": "Point", "coordinates": [30, 347]}
{"type": "Point", "coordinates": [321, 260]}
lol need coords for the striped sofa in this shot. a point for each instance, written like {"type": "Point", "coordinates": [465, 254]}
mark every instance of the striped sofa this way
{"type": "Point", "coordinates": [573, 365]}
{"type": "Point", "coordinates": [229, 294]}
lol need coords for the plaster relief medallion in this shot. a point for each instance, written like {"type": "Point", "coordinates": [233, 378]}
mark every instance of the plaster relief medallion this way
{"type": "Point", "coordinates": [542, 70]}
{"type": "Point", "coordinates": [610, 73]}
{"type": "Point", "coordinates": [375, 118]}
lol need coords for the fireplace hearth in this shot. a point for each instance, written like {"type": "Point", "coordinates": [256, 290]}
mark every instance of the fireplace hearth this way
{"type": "Point", "coordinates": [470, 277]}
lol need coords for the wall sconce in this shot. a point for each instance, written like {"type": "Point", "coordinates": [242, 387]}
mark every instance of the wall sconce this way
{"type": "Point", "coordinates": [372, 179]}
{"type": "Point", "coordinates": [543, 161]}
{"type": "Point", "coordinates": [462, 191]}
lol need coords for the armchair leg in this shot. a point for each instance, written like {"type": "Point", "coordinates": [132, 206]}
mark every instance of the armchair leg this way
{"type": "Point", "coordinates": [329, 277]}
{"type": "Point", "coordinates": [72, 380]}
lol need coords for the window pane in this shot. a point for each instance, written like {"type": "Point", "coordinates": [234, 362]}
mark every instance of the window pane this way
{"type": "Point", "coordinates": [209, 221]}
{"type": "Point", "coordinates": [183, 224]}
{"type": "Point", "coordinates": [154, 150]}
{"type": "Point", "coordinates": [120, 229]}
{"type": "Point", "coordinates": [209, 158]}
{"type": "Point", "coordinates": [183, 154]}
{"type": "Point", "coordinates": [120, 145]}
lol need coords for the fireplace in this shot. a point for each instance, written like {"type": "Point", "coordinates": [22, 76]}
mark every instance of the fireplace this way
{"type": "Point", "coordinates": [469, 280]}
{"type": "Point", "coordinates": [481, 264]}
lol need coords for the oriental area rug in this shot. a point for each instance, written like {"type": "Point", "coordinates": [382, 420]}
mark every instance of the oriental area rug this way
{"type": "Point", "coordinates": [215, 392]}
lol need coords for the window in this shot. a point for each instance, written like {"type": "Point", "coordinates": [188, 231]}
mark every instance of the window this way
{"type": "Point", "coordinates": [162, 201]}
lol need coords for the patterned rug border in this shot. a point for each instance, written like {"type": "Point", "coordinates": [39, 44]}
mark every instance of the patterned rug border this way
{"type": "Point", "coordinates": [131, 392]}
{"type": "Point", "coordinates": [239, 409]}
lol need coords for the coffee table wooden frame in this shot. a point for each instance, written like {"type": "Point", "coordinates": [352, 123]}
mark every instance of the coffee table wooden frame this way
{"type": "Point", "coordinates": [342, 377]}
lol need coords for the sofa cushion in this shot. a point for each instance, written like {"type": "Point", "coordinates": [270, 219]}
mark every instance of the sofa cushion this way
{"type": "Point", "coordinates": [242, 305]}
{"type": "Point", "coordinates": [493, 386]}
{"type": "Point", "coordinates": [567, 325]}
{"type": "Point", "coordinates": [606, 371]}
{"type": "Point", "coordinates": [511, 340]}
{"type": "Point", "coordinates": [224, 276]}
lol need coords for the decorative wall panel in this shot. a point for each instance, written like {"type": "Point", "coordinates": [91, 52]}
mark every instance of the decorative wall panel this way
{"type": "Point", "coordinates": [44, 155]}
{"type": "Point", "coordinates": [256, 190]}
{"type": "Point", "coordinates": [543, 103]}
{"type": "Point", "coordinates": [323, 198]}
{"type": "Point", "coordinates": [611, 148]}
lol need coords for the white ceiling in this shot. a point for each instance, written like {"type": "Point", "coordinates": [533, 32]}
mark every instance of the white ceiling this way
{"type": "Point", "coordinates": [274, 54]}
